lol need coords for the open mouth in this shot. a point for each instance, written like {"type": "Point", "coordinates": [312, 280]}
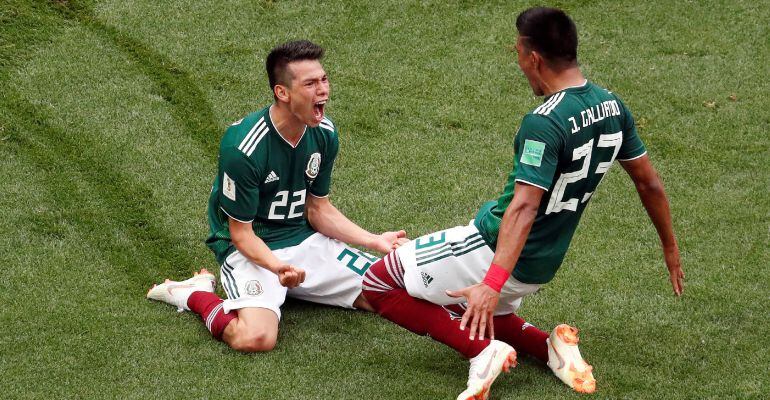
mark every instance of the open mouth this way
{"type": "Point", "coordinates": [318, 109]}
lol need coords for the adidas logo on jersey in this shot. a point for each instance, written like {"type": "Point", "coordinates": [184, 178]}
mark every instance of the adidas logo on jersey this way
{"type": "Point", "coordinates": [271, 177]}
{"type": "Point", "coordinates": [426, 279]}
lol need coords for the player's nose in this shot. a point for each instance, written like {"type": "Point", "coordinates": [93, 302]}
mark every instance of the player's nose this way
{"type": "Point", "coordinates": [322, 90]}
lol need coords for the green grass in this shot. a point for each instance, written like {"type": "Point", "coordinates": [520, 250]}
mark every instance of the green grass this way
{"type": "Point", "coordinates": [110, 116]}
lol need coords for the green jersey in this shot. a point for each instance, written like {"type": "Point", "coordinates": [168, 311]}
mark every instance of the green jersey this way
{"type": "Point", "coordinates": [265, 180]}
{"type": "Point", "coordinates": [565, 146]}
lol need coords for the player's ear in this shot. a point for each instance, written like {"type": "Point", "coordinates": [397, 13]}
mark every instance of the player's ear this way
{"type": "Point", "coordinates": [536, 59]}
{"type": "Point", "coordinates": [281, 93]}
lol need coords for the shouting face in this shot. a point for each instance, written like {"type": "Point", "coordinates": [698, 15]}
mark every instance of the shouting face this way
{"type": "Point", "coordinates": [308, 91]}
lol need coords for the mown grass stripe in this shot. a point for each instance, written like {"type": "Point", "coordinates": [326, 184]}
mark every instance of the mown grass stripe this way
{"type": "Point", "coordinates": [188, 105]}
{"type": "Point", "coordinates": [126, 200]}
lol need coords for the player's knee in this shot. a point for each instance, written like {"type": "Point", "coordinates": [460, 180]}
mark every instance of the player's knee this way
{"type": "Point", "coordinates": [258, 340]}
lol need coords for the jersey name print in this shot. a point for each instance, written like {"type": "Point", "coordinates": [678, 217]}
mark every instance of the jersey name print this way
{"type": "Point", "coordinates": [564, 146]}
{"type": "Point", "coordinates": [263, 180]}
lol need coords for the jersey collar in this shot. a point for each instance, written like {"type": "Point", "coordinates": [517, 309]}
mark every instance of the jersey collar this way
{"type": "Point", "coordinates": [275, 128]}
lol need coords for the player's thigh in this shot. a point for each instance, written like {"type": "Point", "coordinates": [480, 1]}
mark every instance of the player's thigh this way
{"type": "Point", "coordinates": [248, 285]}
{"type": "Point", "coordinates": [333, 270]}
{"type": "Point", "coordinates": [453, 259]}
{"type": "Point", "coordinates": [450, 259]}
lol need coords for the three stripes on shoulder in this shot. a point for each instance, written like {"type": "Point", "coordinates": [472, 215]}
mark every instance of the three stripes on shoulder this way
{"type": "Point", "coordinates": [259, 131]}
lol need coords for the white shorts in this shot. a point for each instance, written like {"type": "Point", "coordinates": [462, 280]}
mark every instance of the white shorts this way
{"type": "Point", "coordinates": [333, 276]}
{"type": "Point", "coordinates": [453, 259]}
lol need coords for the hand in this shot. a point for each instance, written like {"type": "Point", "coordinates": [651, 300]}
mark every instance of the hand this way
{"type": "Point", "coordinates": [389, 241]}
{"type": "Point", "coordinates": [482, 301]}
{"type": "Point", "coordinates": [290, 276]}
{"type": "Point", "coordinates": [674, 265]}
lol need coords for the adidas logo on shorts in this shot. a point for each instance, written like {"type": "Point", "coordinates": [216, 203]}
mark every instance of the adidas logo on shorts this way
{"type": "Point", "coordinates": [426, 279]}
{"type": "Point", "coordinates": [271, 177]}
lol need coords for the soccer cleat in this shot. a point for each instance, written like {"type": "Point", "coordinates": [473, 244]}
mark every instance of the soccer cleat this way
{"type": "Point", "coordinates": [177, 293]}
{"type": "Point", "coordinates": [485, 368]}
{"type": "Point", "coordinates": [566, 362]}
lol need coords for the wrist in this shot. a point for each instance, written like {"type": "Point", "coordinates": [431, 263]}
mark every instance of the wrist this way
{"type": "Point", "coordinates": [496, 277]}
{"type": "Point", "coordinates": [372, 241]}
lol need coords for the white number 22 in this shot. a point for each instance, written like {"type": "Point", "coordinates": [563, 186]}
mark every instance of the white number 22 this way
{"type": "Point", "coordinates": [281, 199]}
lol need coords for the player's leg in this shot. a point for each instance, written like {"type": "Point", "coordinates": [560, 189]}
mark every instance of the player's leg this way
{"type": "Point", "coordinates": [523, 336]}
{"type": "Point", "coordinates": [333, 271]}
{"type": "Point", "coordinates": [559, 349]}
{"type": "Point", "coordinates": [195, 294]}
{"type": "Point", "coordinates": [383, 288]}
{"type": "Point", "coordinates": [255, 329]}
{"type": "Point", "coordinates": [248, 319]}
{"type": "Point", "coordinates": [255, 295]}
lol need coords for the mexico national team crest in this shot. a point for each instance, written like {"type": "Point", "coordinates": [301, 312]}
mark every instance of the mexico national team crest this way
{"type": "Point", "coordinates": [313, 165]}
{"type": "Point", "coordinates": [253, 288]}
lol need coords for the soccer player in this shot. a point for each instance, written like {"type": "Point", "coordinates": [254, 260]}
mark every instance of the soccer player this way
{"type": "Point", "coordinates": [273, 229]}
{"type": "Point", "coordinates": [515, 244]}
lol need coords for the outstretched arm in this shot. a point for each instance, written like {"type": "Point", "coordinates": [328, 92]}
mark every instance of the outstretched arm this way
{"type": "Point", "coordinates": [653, 196]}
{"type": "Point", "coordinates": [325, 218]}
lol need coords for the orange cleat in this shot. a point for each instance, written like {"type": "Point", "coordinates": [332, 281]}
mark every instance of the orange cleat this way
{"type": "Point", "coordinates": [565, 360]}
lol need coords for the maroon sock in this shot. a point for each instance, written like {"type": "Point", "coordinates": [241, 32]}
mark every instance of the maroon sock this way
{"type": "Point", "coordinates": [390, 300]}
{"type": "Point", "coordinates": [523, 336]}
{"type": "Point", "coordinates": [209, 307]}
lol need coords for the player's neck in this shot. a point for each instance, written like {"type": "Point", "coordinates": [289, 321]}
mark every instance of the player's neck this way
{"type": "Point", "coordinates": [556, 82]}
{"type": "Point", "coordinates": [286, 124]}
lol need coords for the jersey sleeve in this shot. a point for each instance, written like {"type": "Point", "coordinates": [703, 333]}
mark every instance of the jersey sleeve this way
{"type": "Point", "coordinates": [537, 148]}
{"type": "Point", "coordinates": [632, 146]}
{"type": "Point", "coordinates": [239, 194]}
{"type": "Point", "coordinates": [322, 183]}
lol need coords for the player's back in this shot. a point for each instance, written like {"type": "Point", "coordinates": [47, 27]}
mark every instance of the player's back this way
{"type": "Point", "coordinates": [591, 123]}
{"type": "Point", "coordinates": [565, 146]}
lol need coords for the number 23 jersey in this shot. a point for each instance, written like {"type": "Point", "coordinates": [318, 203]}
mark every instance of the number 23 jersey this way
{"type": "Point", "coordinates": [565, 147]}
{"type": "Point", "coordinates": [264, 180]}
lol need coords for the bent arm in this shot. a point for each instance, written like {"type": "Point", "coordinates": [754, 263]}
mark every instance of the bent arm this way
{"type": "Point", "coordinates": [252, 247]}
{"type": "Point", "coordinates": [653, 197]}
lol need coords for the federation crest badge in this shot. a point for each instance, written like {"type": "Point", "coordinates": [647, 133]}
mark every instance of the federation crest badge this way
{"type": "Point", "coordinates": [313, 166]}
{"type": "Point", "coordinates": [253, 288]}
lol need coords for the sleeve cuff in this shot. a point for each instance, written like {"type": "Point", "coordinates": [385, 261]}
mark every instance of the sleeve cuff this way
{"type": "Point", "coordinates": [237, 219]}
{"type": "Point", "coordinates": [319, 196]}
{"type": "Point", "coordinates": [530, 183]}
{"type": "Point", "coordinates": [633, 158]}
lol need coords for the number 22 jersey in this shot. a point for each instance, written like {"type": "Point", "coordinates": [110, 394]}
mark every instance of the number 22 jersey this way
{"type": "Point", "coordinates": [264, 180]}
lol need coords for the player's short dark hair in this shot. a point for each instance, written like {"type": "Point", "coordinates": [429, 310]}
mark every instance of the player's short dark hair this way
{"type": "Point", "coordinates": [550, 32]}
{"type": "Point", "coordinates": [282, 55]}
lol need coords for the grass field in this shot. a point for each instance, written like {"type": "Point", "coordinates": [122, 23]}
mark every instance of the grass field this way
{"type": "Point", "coordinates": [110, 117]}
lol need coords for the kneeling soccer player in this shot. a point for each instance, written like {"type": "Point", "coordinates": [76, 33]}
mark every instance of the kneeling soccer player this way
{"type": "Point", "coordinates": [273, 229]}
{"type": "Point", "coordinates": [517, 243]}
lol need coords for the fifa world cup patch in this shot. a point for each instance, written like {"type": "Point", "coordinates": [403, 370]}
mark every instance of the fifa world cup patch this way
{"type": "Point", "coordinates": [533, 153]}
{"type": "Point", "coordinates": [228, 187]}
